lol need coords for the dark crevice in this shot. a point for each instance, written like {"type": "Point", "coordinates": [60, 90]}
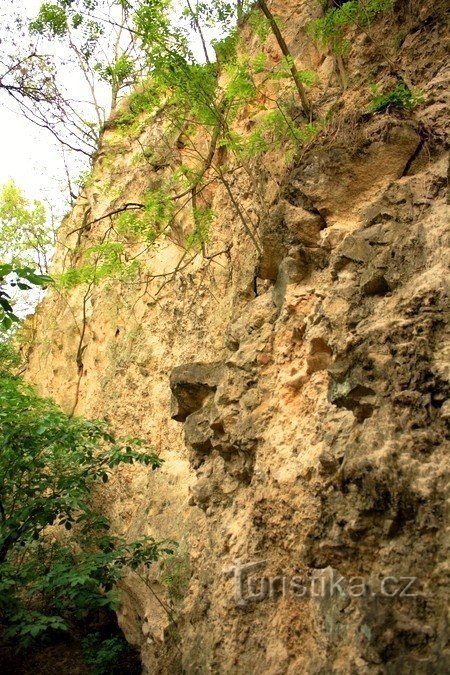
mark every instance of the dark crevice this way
{"type": "Point", "coordinates": [255, 286]}
{"type": "Point", "coordinates": [413, 157]}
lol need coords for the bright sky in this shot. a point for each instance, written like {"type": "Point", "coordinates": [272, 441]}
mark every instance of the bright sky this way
{"type": "Point", "coordinates": [29, 155]}
{"type": "Point", "coordinates": [33, 159]}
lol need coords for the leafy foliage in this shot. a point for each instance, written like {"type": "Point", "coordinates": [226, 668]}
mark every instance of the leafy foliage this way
{"type": "Point", "coordinates": [25, 244]}
{"type": "Point", "coordinates": [103, 655]}
{"type": "Point", "coordinates": [259, 25]}
{"type": "Point", "coordinates": [51, 19]}
{"type": "Point", "coordinates": [13, 277]}
{"type": "Point", "coordinates": [203, 218]}
{"type": "Point", "coordinates": [98, 262]}
{"type": "Point", "coordinates": [225, 49]}
{"type": "Point", "coordinates": [9, 358]}
{"type": "Point", "coordinates": [401, 97]}
{"type": "Point", "coordinates": [333, 26]}
{"type": "Point", "coordinates": [25, 237]}
{"type": "Point", "coordinates": [194, 100]}
{"type": "Point", "coordinates": [119, 72]}
{"type": "Point", "coordinates": [49, 465]}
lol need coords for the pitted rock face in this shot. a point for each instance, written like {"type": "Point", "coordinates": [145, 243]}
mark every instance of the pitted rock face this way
{"type": "Point", "coordinates": [314, 386]}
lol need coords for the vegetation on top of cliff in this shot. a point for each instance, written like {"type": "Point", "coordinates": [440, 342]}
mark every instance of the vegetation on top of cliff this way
{"type": "Point", "coordinates": [195, 100]}
{"type": "Point", "coordinates": [205, 96]}
{"type": "Point", "coordinates": [201, 94]}
{"type": "Point", "coordinates": [116, 45]}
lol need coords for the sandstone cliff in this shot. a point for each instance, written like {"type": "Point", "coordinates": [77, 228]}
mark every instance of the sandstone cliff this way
{"type": "Point", "coordinates": [299, 394]}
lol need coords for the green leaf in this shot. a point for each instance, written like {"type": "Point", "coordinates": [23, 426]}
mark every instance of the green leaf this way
{"type": "Point", "coordinates": [49, 463]}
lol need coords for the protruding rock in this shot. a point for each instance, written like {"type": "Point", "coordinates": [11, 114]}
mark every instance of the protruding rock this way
{"type": "Point", "coordinates": [198, 432]}
{"type": "Point", "coordinates": [191, 385]}
{"type": "Point", "coordinates": [292, 270]}
{"type": "Point", "coordinates": [304, 227]}
{"type": "Point", "coordinates": [374, 283]}
{"type": "Point", "coordinates": [356, 249]}
{"type": "Point", "coordinates": [353, 396]}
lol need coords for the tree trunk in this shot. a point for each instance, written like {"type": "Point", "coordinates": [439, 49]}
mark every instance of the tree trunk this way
{"type": "Point", "coordinates": [286, 52]}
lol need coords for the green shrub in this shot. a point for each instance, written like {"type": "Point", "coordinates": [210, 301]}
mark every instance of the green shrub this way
{"type": "Point", "coordinates": [332, 27]}
{"type": "Point", "coordinates": [49, 464]}
{"type": "Point", "coordinates": [105, 656]}
{"type": "Point", "coordinates": [23, 278]}
{"type": "Point", "coordinates": [401, 97]}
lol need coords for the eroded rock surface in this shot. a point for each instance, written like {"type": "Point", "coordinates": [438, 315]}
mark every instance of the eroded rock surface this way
{"type": "Point", "coordinates": [300, 396]}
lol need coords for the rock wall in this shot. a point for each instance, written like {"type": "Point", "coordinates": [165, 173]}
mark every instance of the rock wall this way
{"type": "Point", "coordinates": [299, 396]}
